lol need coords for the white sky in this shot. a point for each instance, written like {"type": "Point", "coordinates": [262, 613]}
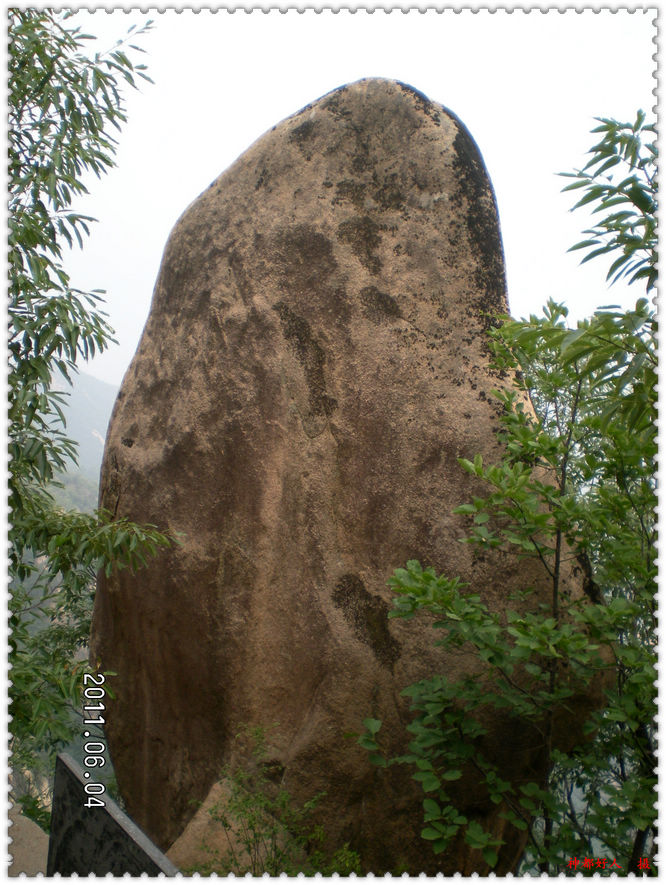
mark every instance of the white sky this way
{"type": "Point", "coordinates": [526, 84]}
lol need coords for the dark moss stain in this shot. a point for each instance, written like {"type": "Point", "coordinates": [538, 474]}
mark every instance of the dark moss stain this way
{"type": "Point", "coordinates": [302, 136]}
{"type": "Point", "coordinates": [475, 189]}
{"type": "Point", "coordinates": [353, 191]}
{"type": "Point", "coordinates": [361, 162]}
{"type": "Point", "coordinates": [423, 103]}
{"type": "Point", "coordinates": [312, 358]}
{"type": "Point", "coordinates": [303, 132]}
{"type": "Point", "coordinates": [304, 257]}
{"type": "Point", "coordinates": [379, 306]}
{"type": "Point", "coordinates": [362, 234]}
{"type": "Point", "coordinates": [388, 194]}
{"type": "Point", "coordinates": [368, 617]}
{"type": "Point", "coordinates": [262, 180]}
{"type": "Point", "coordinates": [332, 104]}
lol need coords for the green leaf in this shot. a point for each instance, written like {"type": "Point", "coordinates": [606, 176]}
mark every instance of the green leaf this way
{"type": "Point", "coordinates": [378, 760]}
{"type": "Point", "coordinates": [429, 781]}
{"type": "Point", "coordinates": [431, 807]}
{"type": "Point", "coordinates": [430, 834]}
{"type": "Point", "coordinates": [489, 855]}
{"type": "Point", "coordinates": [372, 725]}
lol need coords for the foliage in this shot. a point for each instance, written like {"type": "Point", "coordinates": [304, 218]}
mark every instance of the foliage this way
{"type": "Point", "coordinates": [629, 192]}
{"type": "Point", "coordinates": [575, 489]}
{"type": "Point", "coordinates": [609, 784]}
{"type": "Point", "coordinates": [63, 105]}
{"type": "Point", "coordinates": [265, 831]}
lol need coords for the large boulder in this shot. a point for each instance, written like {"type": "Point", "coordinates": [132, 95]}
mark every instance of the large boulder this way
{"type": "Point", "coordinates": [29, 847]}
{"type": "Point", "coordinates": [314, 364]}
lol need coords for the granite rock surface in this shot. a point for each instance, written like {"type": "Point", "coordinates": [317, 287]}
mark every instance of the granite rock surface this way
{"type": "Point", "coordinates": [313, 365]}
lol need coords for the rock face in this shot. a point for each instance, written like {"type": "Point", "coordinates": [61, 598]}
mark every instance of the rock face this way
{"type": "Point", "coordinates": [29, 847]}
{"type": "Point", "coordinates": [313, 365]}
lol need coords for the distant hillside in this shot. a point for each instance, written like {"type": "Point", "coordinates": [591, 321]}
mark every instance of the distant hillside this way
{"type": "Point", "coordinates": [87, 410]}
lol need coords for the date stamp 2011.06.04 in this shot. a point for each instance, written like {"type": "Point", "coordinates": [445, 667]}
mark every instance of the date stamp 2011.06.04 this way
{"type": "Point", "coordinates": [94, 692]}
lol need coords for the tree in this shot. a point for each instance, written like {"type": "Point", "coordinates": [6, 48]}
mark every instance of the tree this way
{"type": "Point", "coordinates": [575, 488]}
{"type": "Point", "coordinates": [63, 106]}
{"type": "Point", "coordinates": [631, 226]}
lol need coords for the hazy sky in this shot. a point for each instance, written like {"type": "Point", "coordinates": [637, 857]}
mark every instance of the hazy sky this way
{"type": "Point", "coordinates": [526, 84]}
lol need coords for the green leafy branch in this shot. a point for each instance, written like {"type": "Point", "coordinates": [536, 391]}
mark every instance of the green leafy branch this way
{"type": "Point", "coordinates": [621, 177]}
{"type": "Point", "coordinates": [63, 106]}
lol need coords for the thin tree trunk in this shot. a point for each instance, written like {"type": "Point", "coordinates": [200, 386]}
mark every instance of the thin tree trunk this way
{"type": "Point", "coordinates": [544, 866]}
{"type": "Point", "coordinates": [638, 852]}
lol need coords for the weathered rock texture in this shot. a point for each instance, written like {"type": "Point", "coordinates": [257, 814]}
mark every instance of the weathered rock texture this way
{"type": "Point", "coordinates": [313, 365]}
{"type": "Point", "coordinates": [29, 847]}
